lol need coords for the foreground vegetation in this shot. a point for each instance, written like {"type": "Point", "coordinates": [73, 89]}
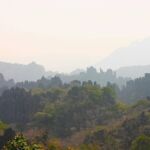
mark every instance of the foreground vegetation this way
{"type": "Point", "coordinates": [76, 116]}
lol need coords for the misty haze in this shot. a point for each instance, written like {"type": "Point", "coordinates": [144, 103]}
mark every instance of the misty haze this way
{"type": "Point", "coordinates": [74, 75]}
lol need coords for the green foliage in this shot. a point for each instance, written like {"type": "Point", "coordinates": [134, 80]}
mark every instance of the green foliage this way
{"type": "Point", "coordinates": [111, 143]}
{"type": "Point", "coordinates": [37, 91]}
{"type": "Point", "coordinates": [18, 106]}
{"type": "Point", "coordinates": [141, 143]}
{"type": "Point", "coordinates": [54, 144]}
{"type": "Point", "coordinates": [43, 83]}
{"type": "Point", "coordinates": [89, 147]}
{"type": "Point", "coordinates": [3, 126]}
{"type": "Point", "coordinates": [79, 108]}
{"type": "Point", "coordinates": [66, 111]}
{"type": "Point", "coordinates": [122, 106]}
{"type": "Point", "coordinates": [6, 135]}
{"type": "Point", "coordinates": [20, 143]}
{"type": "Point", "coordinates": [141, 103]}
{"type": "Point", "coordinates": [109, 94]}
{"type": "Point", "coordinates": [120, 134]}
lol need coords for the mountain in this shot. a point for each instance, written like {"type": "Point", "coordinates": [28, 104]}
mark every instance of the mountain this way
{"type": "Point", "coordinates": [77, 71]}
{"type": "Point", "coordinates": [133, 71]}
{"type": "Point", "coordinates": [34, 72]}
{"type": "Point", "coordinates": [135, 54]}
{"type": "Point", "coordinates": [19, 72]}
{"type": "Point", "coordinates": [91, 74]}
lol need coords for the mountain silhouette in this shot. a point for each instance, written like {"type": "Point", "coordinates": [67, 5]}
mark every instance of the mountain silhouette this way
{"type": "Point", "coordinates": [20, 72]}
{"type": "Point", "coordinates": [137, 53]}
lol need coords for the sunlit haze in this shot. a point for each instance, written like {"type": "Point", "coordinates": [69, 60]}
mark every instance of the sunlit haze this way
{"type": "Point", "coordinates": [67, 34]}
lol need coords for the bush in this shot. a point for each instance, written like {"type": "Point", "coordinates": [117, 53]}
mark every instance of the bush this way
{"type": "Point", "coordinates": [141, 143]}
{"type": "Point", "coordinates": [20, 143]}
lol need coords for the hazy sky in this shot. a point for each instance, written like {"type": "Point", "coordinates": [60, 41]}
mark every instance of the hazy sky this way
{"type": "Point", "coordinates": [67, 34]}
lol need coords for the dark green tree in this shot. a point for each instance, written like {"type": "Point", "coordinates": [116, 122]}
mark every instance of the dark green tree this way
{"type": "Point", "coordinates": [141, 143]}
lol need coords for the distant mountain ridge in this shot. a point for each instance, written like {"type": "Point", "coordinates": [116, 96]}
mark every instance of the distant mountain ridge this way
{"type": "Point", "coordinates": [20, 72]}
{"type": "Point", "coordinates": [137, 53]}
{"type": "Point", "coordinates": [133, 71]}
{"type": "Point", "coordinates": [34, 72]}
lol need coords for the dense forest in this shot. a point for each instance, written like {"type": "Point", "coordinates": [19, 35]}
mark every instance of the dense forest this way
{"type": "Point", "coordinates": [101, 77]}
{"type": "Point", "coordinates": [136, 89]}
{"type": "Point", "coordinates": [51, 115]}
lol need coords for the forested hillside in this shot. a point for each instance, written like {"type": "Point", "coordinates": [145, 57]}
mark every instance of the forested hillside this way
{"type": "Point", "coordinates": [74, 75]}
{"type": "Point", "coordinates": [33, 72]}
{"type": "Point", "coordinates": [136, 89]}
{"type": "Point", "coordinates": [5, 84]}
{"type": "Point", "coordinates": [50, 115]}
{"type": "Point", "coordinates": [101, 77]}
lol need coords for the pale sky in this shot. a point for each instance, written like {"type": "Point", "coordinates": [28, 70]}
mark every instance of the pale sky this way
{"type": "Point", "coordinates": [67, 34]}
